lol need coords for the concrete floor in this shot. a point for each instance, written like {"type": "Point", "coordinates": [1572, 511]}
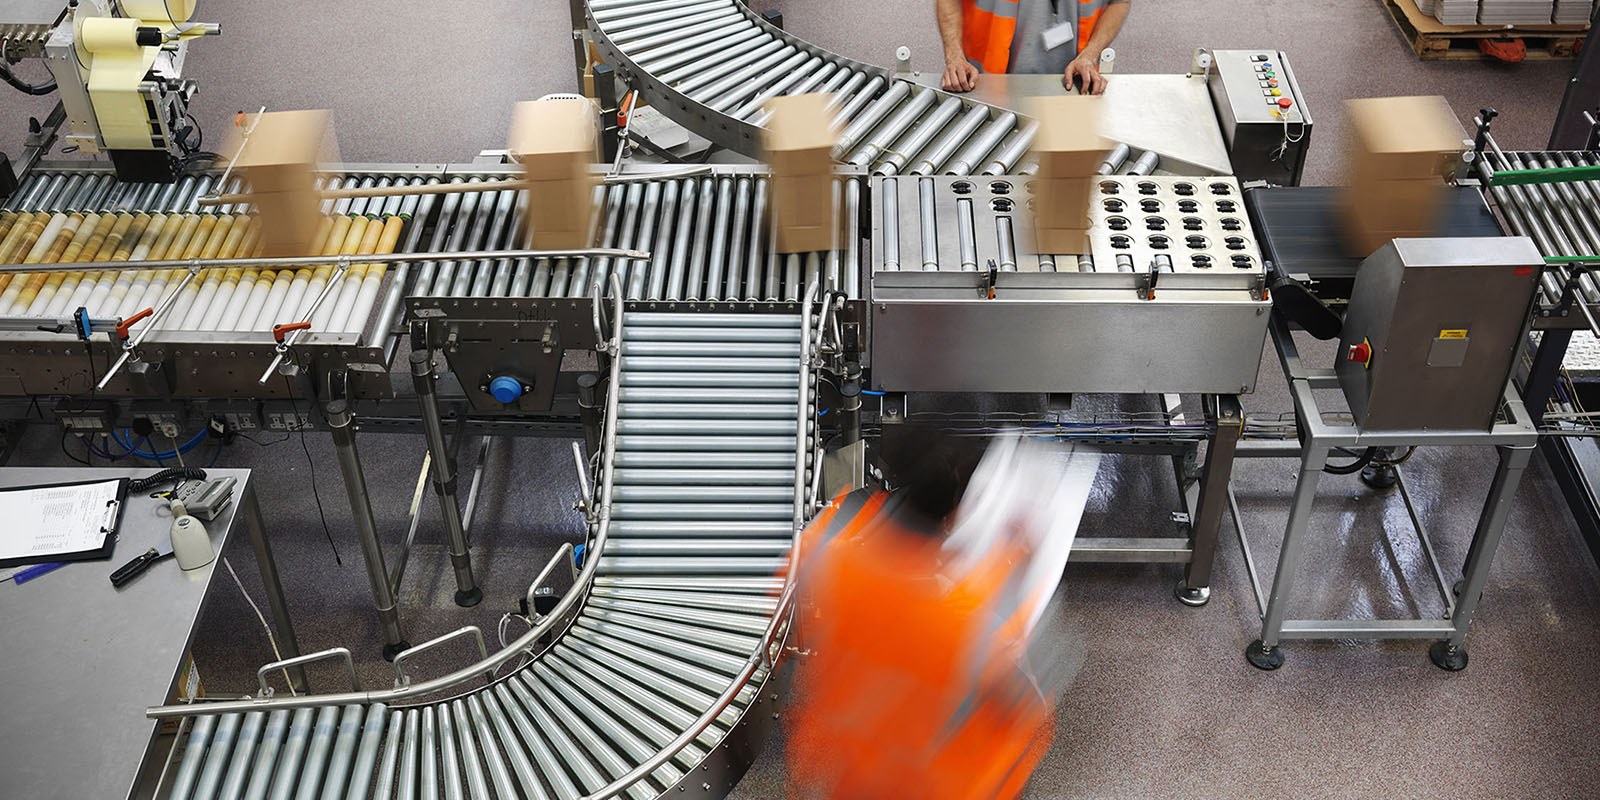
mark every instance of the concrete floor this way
{"type": "Point", "coordinates": [1165, 705]}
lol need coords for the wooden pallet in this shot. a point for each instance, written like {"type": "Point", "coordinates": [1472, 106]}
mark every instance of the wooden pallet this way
{"type": "Point", "coordinates": [1432, 40]}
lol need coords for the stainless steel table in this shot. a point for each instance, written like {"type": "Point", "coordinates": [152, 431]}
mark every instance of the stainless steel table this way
{"type": "Point", "coordinates": [80, 660]}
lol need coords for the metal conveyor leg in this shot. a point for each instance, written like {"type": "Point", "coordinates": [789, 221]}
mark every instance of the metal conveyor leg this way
{"type": "Point", "coordinates": [444, 480]}
{"type": "Point", "coordinates": [355, 484]}
{"type": "Point", "coordinates": [1195, 588]}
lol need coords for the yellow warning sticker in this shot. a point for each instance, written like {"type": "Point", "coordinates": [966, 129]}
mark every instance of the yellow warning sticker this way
{"type": "Point", "coordinates": [1453, 334]}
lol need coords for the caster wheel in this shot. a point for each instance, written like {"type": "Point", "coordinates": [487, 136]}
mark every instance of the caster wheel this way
{"type": "Point", "coordinates": [1195, 597]}
{"type": "Point", "coordinates": [1380, 477]}
{"type": "Point", "coordinates": [1448, 658]}
{"type": "Point", "coordinates": [1263, 657]}
{"type": "Point", "coordinates": [392, 650]}
{"type": "Point", "coordinates": [469, 598]}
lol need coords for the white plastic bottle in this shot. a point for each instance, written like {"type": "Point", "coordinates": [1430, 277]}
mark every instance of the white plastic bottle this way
{"type": "Point", "coordinates": [191, 544]}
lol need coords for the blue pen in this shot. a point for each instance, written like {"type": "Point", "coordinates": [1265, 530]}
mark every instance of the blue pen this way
{"type": "Point", "coordinates": [26, 574]}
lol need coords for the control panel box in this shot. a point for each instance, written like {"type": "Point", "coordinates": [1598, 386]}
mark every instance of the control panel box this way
{"type": "Point", "coordinates": [1263, 114]}
{"type": "Point", "coordinates": [1432, 331]}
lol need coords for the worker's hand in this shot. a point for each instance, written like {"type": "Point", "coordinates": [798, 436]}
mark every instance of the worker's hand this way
{"type": "Point", "coordinates": [1084, 72]}
{"type": "Point", "coordinates": [960, 76]}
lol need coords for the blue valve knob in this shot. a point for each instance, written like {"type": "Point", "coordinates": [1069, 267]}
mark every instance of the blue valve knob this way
{"type": "Point", "coordinates": [505, 389]}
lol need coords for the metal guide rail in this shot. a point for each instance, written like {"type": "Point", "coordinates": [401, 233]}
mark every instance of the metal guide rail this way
{"type": "Point", "coordinates": [657, 684]}
{"type": "Point", "coordinates": [712, 64]}
{"type": "Point", "coordinates": [1562, 218]}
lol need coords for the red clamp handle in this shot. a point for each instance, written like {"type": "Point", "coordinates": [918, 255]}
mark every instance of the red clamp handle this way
{"type": "Point", "coordinates": [280, 331]}
{"type": "Point", "coordinates": [124, 325]}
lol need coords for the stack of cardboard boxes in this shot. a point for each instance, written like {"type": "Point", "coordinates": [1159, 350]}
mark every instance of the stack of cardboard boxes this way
{"type": "Point", "coordinates": [1069, 149]}
{"type": "Point", "coordinates": [799, 143]}
{"type": "Point", "coordinates": [1402, 149]}
{"type": "Point", "coordinates": [279, 158]}
{"type": "Point", "coordinates": [556, 142]}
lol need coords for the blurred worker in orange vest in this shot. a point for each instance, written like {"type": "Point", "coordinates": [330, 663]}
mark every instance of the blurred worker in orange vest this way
{"type": "Point", "coordinates": [916, 685]}
{"type": "Point", "coordinates": [1028, 37]}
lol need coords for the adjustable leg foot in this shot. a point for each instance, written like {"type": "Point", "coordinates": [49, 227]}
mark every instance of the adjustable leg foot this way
{"type": "Point", "coordinates": [392, 650]}
{"type": "Point", "coordinates": [1194, 596]}
{"type": "Point", "coordinates": [1380, 477]}
{"type": "Point", "coordinates": [1263, 657]}
{"type": "Point", "coordinates": [1448, 657]}
{"type": "Point", "coordinates": [469, 597]}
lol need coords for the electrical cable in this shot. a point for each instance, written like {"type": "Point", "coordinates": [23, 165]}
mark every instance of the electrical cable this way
{"type": "Point", "coordinates": [315, 493]}
{"type": "Point", "coordinates": [35, 89]}
{"type": "Point", "coordinates": [159, 457]}
{"type": "Point", "coordinates": [68, 453]}
{"type": "Point", "coordinates": [166, 476]}
{"type": "Point", "coordinates": [1353, 467]}
{"type": "Point", "coordinates": [271, 640]}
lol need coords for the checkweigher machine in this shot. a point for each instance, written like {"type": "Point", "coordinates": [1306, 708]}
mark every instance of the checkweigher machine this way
{"type": "Point", "coordinates": [723, 389]}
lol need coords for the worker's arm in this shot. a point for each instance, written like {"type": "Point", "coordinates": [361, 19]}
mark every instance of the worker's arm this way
{"type": "Point", "coordinates": [959, 74]}
{"type": "Point", "coordinates": [1085, 69]}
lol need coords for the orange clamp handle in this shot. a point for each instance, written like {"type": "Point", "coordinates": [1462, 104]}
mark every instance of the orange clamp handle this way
{"type": "Point", "coordinates": [123, 326]}
{"type": "Point", "coordinates": [280, 331]}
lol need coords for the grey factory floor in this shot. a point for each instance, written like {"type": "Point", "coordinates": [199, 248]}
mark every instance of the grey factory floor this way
{"type": "Point", "coordinates": [1165, 705]}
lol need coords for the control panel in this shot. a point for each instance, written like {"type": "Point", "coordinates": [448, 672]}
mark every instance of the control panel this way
{"type": "Point", "coordinates": [1263, 114]}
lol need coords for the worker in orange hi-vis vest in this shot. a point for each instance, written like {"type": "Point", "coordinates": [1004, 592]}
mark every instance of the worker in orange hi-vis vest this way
{"type": "Point", "coordinates": [1054, 37]}
{"type": "Point", "coordinates": [916, 684]}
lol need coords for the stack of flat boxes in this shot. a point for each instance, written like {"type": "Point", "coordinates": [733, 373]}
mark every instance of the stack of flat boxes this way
{"type": "Point", "coordinates": [798, 144]}
{"type": "Point", "coordinates": [1069, 150]}
{"type": "Point", "coordinates": [555, 141]}
{"type": "Point", "coordinates": [1401, 150]}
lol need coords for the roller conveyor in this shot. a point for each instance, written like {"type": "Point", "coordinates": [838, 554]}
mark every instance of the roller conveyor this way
{"type": "Point", "coordinates": [1563, 219]}
{"type": "Point", "coordinates": [710, 64]}
{"type": "Point", "coordinates": [677, 614]}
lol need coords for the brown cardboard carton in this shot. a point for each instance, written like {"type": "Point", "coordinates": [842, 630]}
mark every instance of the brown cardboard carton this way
{"type": "Point", "coordinates": [804, 238]}
{"type": "Point", "coordinates": [1062, 241]}
{"type": "Point", "coordinates": [560, 212]}
{"type": "Point", "coordinates": [1063, 202]}
{"type": "Point", "coordinates": [291, 141]}
{"type": "Point", "coordinates": [1404, 137]}
{"type": "Point", "coordinates": [1069, 144]}
{"type": "Point", "coordinates": [799, 135]}
{"type": "Point", "coordinates": [279, 158]}
{"type": "Point", "coordinates": [555, 139]}
{"type": "Point", "coordinates": [289, 222]}
{"type": "Point", "coordinates": [1368, 226]}
{"type": "Point", "coordinates": [798, 144]}
{"type": "Point", "coordinates": [1408, 205]}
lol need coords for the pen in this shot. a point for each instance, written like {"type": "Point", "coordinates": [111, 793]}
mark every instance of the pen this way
{"type": "Point", "coordinates": [26, 574]}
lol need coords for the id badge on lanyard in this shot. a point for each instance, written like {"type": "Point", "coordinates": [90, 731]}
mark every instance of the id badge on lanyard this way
{"type": "Point", "coordinates": [1059, 34]}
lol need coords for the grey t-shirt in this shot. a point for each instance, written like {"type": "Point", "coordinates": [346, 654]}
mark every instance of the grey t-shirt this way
{"type": "Point", "coordinates": [1034, 17]}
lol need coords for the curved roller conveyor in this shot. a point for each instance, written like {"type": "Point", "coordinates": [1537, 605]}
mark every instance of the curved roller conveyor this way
{"type": "Point", "coordinates": [653, 685]}
{"type": "Point", "coordinates": [712, 64]}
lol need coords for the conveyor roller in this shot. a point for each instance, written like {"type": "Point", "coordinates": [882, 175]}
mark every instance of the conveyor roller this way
{"type": "Point", "coordinates": [699, 522]}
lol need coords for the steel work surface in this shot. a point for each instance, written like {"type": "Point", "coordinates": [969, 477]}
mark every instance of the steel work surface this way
{"type": "Point", "coordinates": [80, 660]}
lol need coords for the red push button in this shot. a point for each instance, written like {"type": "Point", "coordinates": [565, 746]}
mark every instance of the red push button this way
{"type": "Point", "coordinates": [1284, 103]}
{"type": "Point", "coordinates": [1360, 353]}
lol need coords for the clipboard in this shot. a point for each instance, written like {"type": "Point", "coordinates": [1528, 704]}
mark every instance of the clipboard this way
{"type": "Point", "coordinates": [105, 521]}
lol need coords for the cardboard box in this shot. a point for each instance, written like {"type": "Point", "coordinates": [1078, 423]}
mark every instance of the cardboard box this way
{"type": "Point", "coordinates": [1371, 226]}
{"type": "Point", "coordinates": [798, 145]}
{"type": "Point", "coordinates": [289, 222]}
{"type": "Point", "coordinates": [560, 213]}
{"type": "Point", "coordinates": [1404, 137]}
{"type": "Point", "coordinates": [799, 135]}
{"type": "Point", "coordinates": [1064, 202]}
{"type": "Point", "coordinates": [1062, 241]}
{"type": "Point", "coordinates": [1069, 143]}
{"type": "Point", "coordinates": [279, 158]}
{"type": "Point", "coordinates": [1408, 205]}
{"type": "Point", "coordinates": [555, 139]}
